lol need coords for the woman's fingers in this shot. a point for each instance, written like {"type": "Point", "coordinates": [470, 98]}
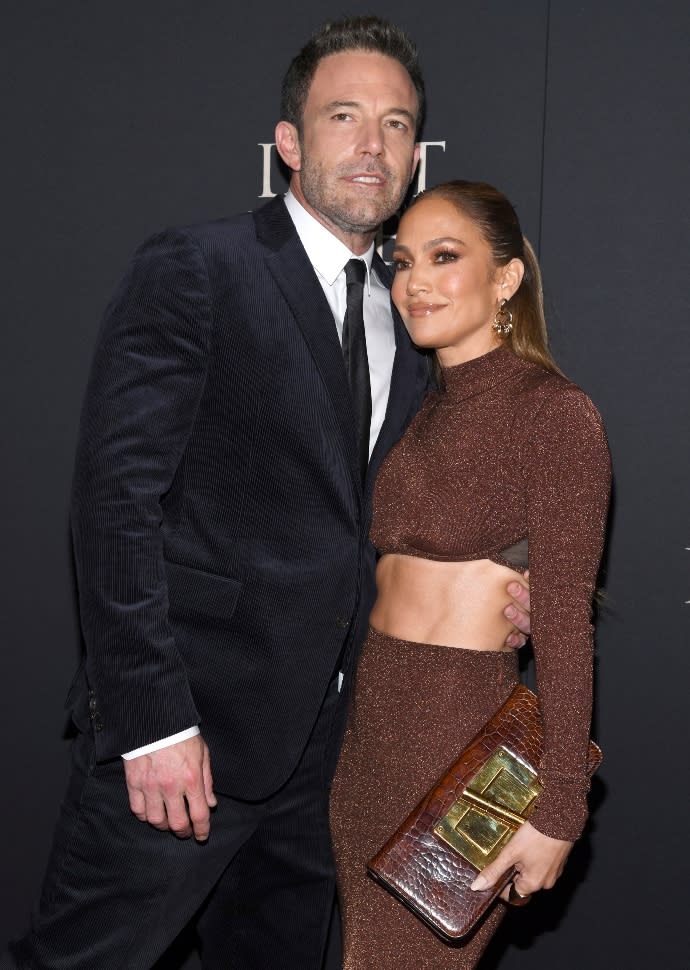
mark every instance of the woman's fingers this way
{"type": "Point", "coordinates": [539, 861]}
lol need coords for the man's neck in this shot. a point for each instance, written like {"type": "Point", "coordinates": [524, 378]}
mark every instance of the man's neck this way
{"type": "Point", "coordinates": [357, 242]}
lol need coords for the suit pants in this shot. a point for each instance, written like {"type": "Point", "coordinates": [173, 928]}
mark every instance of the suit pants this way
{"type": "Point", "coordinates": [117, 891]}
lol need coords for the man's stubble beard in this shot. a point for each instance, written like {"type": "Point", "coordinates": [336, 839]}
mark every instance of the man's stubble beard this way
{"type": "Point", "coordinates": [320, 189]}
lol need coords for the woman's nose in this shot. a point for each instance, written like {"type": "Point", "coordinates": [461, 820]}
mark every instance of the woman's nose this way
{"type": "Point", "coordinates": [416, 282]}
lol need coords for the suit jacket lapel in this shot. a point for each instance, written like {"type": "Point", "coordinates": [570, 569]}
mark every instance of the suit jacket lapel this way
{"type": "Point", "coordinates": [290, 267]}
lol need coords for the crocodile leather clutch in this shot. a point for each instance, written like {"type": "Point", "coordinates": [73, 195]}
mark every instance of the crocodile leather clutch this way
{"type": "Point", "coordinates": [466, 819]}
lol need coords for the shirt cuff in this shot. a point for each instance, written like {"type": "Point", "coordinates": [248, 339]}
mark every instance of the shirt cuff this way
{"type": "Point", "coordinates": [163, 743]}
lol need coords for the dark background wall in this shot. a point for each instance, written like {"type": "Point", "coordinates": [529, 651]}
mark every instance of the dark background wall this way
{"type": "Point", "coordinates": [122, 118]}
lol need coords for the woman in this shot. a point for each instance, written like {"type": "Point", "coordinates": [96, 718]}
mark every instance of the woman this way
{"type": "Point", "coordinates": [506, 464]}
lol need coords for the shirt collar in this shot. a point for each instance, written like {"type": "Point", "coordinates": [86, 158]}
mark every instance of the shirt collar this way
{"type": "Point", "coordinates": [327, 254]}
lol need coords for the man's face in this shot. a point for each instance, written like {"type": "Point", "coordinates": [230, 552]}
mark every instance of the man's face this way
{"type": "Point", "coordinates": [357, 153]}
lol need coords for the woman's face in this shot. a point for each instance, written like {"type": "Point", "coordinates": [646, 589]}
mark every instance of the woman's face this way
{"type": "Point", "coordinates": [446, 286]}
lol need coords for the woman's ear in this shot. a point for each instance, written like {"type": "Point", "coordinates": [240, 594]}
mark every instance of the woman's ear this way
{"type": "Point", "coordinates": [288, 146]}
{"type": "Point", "coordinates": [510, 277]}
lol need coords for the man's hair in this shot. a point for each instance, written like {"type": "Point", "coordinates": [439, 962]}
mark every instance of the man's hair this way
{"type": "Point", "coordinates": [349, 34]}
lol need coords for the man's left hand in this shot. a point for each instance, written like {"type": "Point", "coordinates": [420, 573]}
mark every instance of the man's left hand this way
{"type": "Point", "coordinates": [518, 612]}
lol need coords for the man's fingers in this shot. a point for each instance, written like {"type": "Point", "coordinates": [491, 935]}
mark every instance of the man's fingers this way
{"type": "Point", "coordinates": [520, 592]}
{"type": "Point", "coordinates": [211, 799]}
{"type": "Point", "coordinates": [515, 640]}
{"type": "Point", "coordinates": [200, 814]}
{"type": "Point", "coordinates": [137, 803]}
{"type": "Point", "coordinates": [156, 813]}
{"type": "Point", "coordinates": [518, 611]}
{"type": "Point", "coordinates": [178, 818]}
{"type": "Point", "coordinates": [518, 617]}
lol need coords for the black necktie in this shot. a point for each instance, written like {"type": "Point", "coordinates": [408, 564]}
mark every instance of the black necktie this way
{"type": "Point", "coordinates": [355, 354]}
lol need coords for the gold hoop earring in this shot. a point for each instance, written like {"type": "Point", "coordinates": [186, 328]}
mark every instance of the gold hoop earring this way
{"type": "Point", "coordinates": [503, 321]}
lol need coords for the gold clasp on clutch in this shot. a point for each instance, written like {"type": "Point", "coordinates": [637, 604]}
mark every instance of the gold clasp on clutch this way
{"type": "Point", "coordinates": [491, 808]}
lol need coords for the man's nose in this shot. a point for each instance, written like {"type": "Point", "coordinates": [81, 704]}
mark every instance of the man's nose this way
{"type": "Point", "coordinates": [371, 138]}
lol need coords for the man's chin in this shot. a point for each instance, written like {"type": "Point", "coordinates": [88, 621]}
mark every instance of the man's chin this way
{"type": "Point", "coordinates": [365, 219]}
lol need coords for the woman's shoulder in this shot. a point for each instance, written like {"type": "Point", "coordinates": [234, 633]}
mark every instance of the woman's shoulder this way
{"type": "Point", "coordinates": [554, 415]}
{"type": "Point", "coordinates": [543, 392]}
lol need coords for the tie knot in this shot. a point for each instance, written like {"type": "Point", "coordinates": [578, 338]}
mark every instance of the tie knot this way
{"type": "Point", "coordinates": [355, 271]}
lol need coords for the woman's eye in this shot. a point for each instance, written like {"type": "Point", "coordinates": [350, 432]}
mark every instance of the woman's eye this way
{"type": "Point", "coordinates": [400, 264]}
{"type": "Point", "coordinates": [446, 256]}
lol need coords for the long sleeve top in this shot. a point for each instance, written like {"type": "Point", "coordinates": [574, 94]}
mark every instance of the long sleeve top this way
{"type": "Point", "coordinates": [510, 452]}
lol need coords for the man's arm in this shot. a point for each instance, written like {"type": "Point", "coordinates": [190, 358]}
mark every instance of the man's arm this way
{"type": "Point", "coordinates": [147, 378]}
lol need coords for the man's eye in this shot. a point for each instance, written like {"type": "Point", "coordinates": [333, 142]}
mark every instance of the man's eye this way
{"type": "Point", "coordinates": [396, 123]}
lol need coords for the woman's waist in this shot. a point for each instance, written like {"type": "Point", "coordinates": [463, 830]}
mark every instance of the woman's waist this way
{"type": "Point", "coordinates": [454, 604]}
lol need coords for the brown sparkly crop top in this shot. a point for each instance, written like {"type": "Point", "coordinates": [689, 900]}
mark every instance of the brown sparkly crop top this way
{"type": "Point", "coordinates": [511, 452]}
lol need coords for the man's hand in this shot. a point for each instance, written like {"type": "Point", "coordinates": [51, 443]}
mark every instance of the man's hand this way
{"type": "Point", "coordinates": [173, 789]}
{"type": "Point", "coordinates": [518, 612]}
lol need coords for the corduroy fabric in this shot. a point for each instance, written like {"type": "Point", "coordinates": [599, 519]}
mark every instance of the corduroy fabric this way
{"type": "Point", "coordinates": [118, 891]}
{"type": "Point", "coordinates": [219, 522]}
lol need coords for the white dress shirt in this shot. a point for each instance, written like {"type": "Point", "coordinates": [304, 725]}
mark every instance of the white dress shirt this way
{"type": "Point", "coordinates": [329, 256]}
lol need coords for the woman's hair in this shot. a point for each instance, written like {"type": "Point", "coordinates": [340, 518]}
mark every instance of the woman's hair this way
{"type": "Point", "coordinates": [350, 34]}
{"type": "Point", "coordinates": [498, 223]}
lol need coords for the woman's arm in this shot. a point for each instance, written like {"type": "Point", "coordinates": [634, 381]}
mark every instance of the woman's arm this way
{"type": "Point", "coordinates": [566, 470]}
{"type": "Point", "coordinates": [567, 478]}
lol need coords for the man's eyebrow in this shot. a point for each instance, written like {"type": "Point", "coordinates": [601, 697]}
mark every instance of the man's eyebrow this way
{"type": "Point", "coordinates": [336, 105]}
{"type": "Point", "coordinates": [341, 104]}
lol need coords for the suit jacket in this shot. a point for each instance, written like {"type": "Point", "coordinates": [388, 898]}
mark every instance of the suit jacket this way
{"type": "Point", "coordinates": [219, 521]}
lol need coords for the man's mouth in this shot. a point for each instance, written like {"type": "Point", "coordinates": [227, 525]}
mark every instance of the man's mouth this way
{"type": "Point", "coordinates": [367, 179]}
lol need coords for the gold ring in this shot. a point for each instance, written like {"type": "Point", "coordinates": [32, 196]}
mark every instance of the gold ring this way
{"type": "Point", "coordinates": [517, 899]}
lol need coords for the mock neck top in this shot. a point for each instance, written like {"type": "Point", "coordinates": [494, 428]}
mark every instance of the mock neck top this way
{"type": "Point", "coordinates": [509, 452]}
{"type": "Point", "coordinates": [479, 375]}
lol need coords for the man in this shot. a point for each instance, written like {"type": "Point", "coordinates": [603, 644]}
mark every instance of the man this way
{"type": "Point", "coordinates": [220, 514]}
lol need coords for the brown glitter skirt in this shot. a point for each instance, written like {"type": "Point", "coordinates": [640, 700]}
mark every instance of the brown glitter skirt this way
{"type": "Point", "coordinates": [414, 707]}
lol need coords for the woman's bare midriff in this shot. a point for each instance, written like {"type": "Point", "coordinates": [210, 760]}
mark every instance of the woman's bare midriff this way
{"type": "Point", "coordinates": [452, 604]}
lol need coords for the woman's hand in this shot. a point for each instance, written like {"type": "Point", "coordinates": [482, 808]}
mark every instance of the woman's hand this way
{"type": "Point", "coordinates": [539, 861]}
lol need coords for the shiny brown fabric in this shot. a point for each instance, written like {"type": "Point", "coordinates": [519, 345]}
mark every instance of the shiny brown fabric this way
{"type": "Point", "coordinates": [426, 871]}
{"type": "Point", "coordinates": [414, 707]}
{"type": "Point", "coordinates": [510, 451]}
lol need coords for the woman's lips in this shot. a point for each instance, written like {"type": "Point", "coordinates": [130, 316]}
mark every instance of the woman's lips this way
{"type": "Point", "coordinates": [422, 309]}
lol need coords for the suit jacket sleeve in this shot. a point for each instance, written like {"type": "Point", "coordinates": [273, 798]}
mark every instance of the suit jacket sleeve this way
{"type": "Point", "coordinates": [146, 382]}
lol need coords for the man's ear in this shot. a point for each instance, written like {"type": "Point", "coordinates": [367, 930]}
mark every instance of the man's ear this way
{"type": "Point", "coordinates": [415, 159]}
{"type": "Point", "coordinates": [510, 277]}
{"type": "Point", "coordinates": [288, 146]}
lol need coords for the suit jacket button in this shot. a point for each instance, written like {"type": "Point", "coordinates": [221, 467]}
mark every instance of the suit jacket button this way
{"type": "Point", "coordinates": [342, 622]}
{"type": "Point", "coordinates": [92, 705]}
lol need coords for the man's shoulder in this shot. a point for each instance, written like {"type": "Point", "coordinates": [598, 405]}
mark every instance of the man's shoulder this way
{"type": "Point", "coordinates": [238, 231]}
